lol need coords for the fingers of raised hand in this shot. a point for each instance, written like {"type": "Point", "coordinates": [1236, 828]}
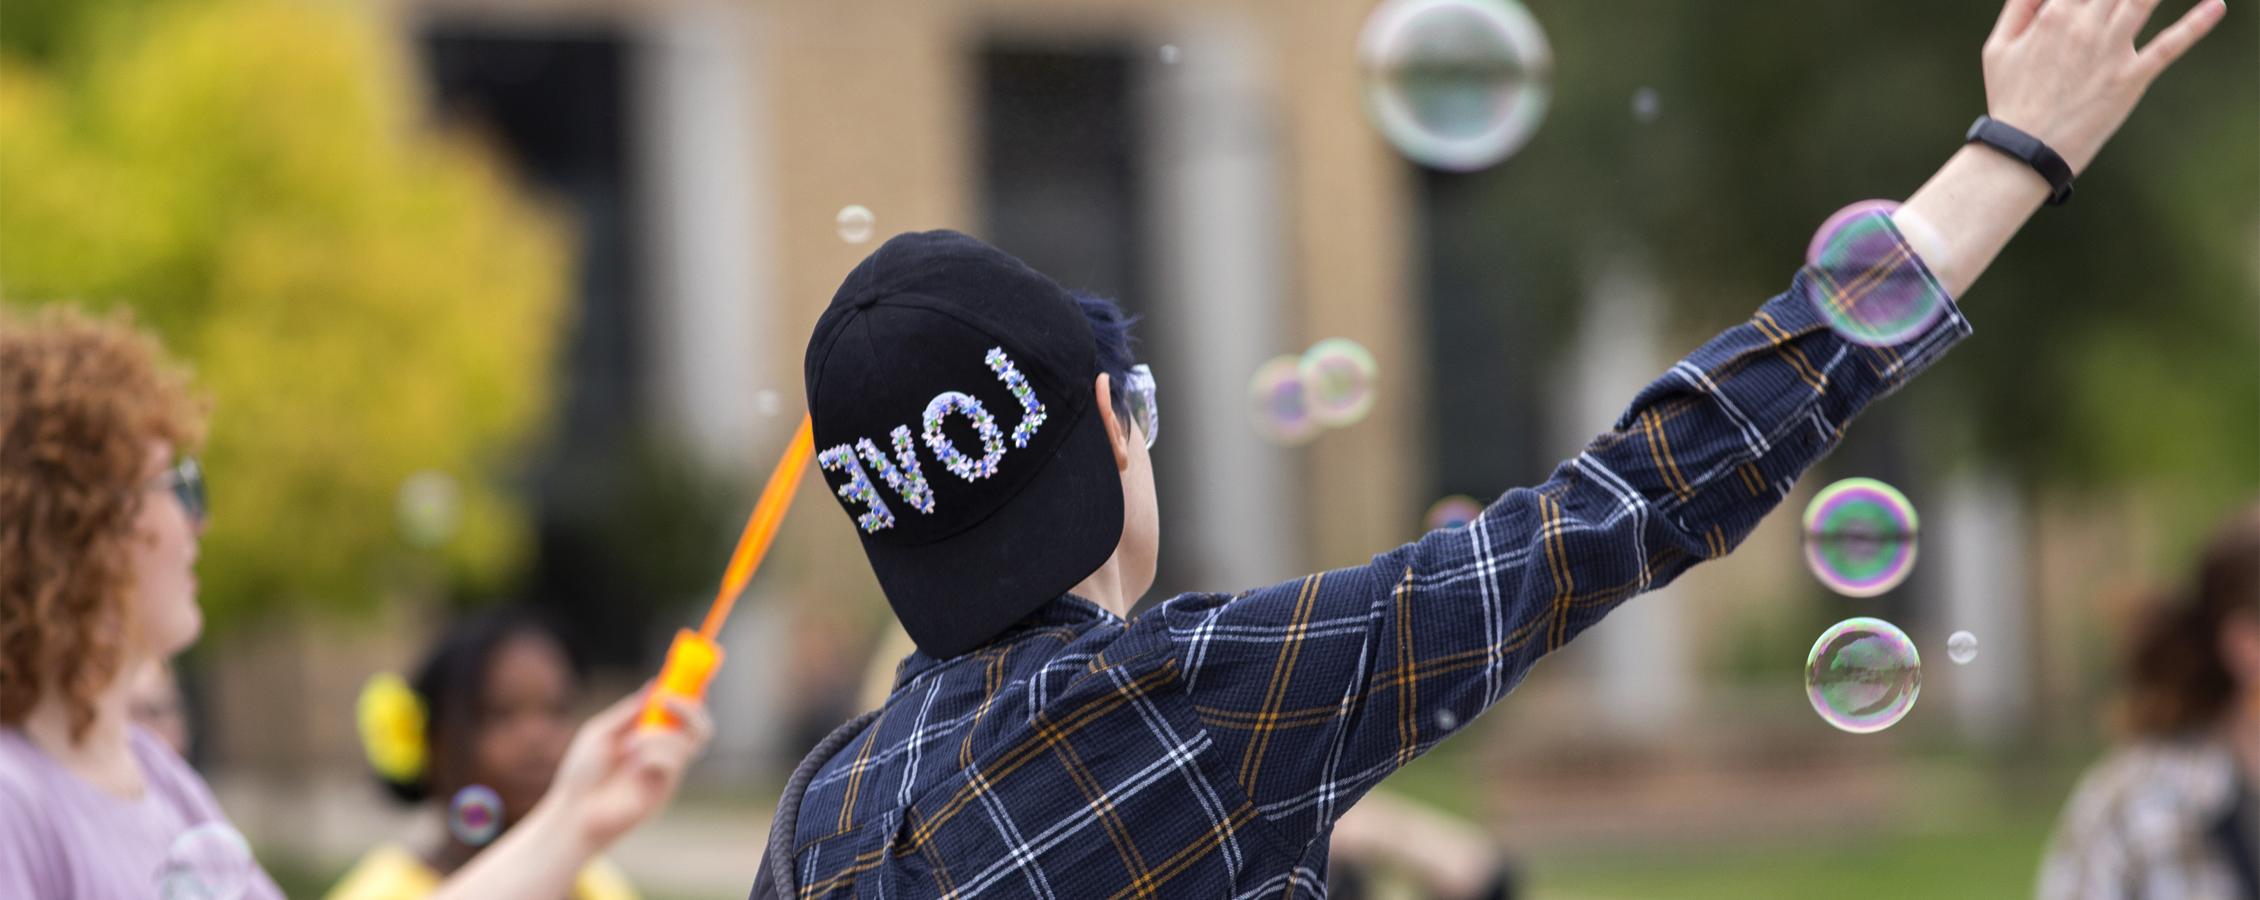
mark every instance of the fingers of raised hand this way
{"type": "Point", "coordinates": [2177, 38]}
{"type": "Point", "coordinates": [2016, 16]}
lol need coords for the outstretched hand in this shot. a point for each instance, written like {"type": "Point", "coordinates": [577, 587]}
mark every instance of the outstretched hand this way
{"type": "Point", "coordinates": [615, 775]}
{"type": "Point", "coordinates": [2068, 71]}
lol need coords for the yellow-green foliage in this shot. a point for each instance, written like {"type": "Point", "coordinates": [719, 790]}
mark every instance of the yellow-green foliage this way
{"type": "Point", "coordinates": [361, 298]}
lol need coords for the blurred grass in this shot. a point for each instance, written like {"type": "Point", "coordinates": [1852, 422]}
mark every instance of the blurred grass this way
{"type": "Point", "coordinates": [1989, 859]}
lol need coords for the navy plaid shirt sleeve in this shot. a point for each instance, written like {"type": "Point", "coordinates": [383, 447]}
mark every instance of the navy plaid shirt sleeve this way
{"type": "Point", "coordinates": [1317, 688]}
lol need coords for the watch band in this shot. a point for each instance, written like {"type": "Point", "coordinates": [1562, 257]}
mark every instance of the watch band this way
{"type": "Point", "coordinates": [2027, 149]}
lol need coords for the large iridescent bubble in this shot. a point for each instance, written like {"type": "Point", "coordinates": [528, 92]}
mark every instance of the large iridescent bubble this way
{"type": "Point", "coordinates": [1860, 537]}
{"type": "Point", "coordinates": [1455, 84]}
{"type": "Point", "coordinates": [211, 861]}
{"type": "Point", "coordinates": [1858, 279]}
{"type": "Point", "coordinates": [1863, 675]}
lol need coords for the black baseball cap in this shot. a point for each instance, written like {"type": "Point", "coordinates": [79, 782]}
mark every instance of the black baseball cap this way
{"type": "Point", "coordinates": [950, 388]}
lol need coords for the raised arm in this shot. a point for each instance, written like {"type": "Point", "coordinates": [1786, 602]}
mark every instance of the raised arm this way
{"type": "Point", "coordinates": [613, 777]}
{"type": "Point", "coordinates": [1318, 688]}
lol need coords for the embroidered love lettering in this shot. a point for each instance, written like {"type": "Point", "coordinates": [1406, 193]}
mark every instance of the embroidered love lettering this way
{"type": "Point", "coordinates": [903, 473]}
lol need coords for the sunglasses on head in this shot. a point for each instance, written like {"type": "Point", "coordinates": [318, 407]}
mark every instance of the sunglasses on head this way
{"type": "Point", "coordinates": [1139, 390]}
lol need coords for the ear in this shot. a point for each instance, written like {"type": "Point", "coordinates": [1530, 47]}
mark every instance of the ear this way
{"type": "Point", "coordinates": [1117, 434]}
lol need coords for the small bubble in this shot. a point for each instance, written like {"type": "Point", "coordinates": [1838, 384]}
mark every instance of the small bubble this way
{"type": "Point", "coordinates": [855, 224]}
{"type": "Point", "coordinates": [767, 403]}
{"type": "Point", "coordinates": [1340, 381]}
{"type": "Point", "coordinates": [1646, 106]}
{"type": "Point", "coordinates": [475, 815]}
{"type": "Point", "coordinates": [1170, 54]}
{"type": "Point", "coordinates": [1453, 512]}
{"type": "Point", "coordinates": [1278, 403]}
{"type": "Point", "coordinates": [1863, 675]}
{"type": "Point", "coordinates": [1446, 721]}
{"type": "Point", "coordinates": [1961, 647]}
{"type": "Point", "coordinates": [429, 506]}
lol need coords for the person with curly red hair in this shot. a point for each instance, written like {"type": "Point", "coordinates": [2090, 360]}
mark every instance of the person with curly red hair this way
{"type": "Point", "coordinates": [101, 508]}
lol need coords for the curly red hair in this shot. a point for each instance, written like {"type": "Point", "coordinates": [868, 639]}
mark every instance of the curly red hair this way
{"type": "Point", "coordinates": [82, 398]}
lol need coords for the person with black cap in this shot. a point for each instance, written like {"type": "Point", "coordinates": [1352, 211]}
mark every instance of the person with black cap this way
{"type": "Point", "coordinates": [988, 433]}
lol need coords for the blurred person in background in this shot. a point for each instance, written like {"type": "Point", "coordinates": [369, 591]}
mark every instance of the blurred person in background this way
{"type": "Point", "coordinates": [101, 511]}
{"type": "Point", "coordinates": [490, 705]}
{"type": "Point", "coordinates": [2175, 813]}
{"type": "Point", "coordinates": [1444, 856]}
{"type": "Point", "coordinates": [154, 702]}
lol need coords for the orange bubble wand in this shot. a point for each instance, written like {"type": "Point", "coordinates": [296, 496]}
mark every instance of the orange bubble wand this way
{"type": "Point", "coordinates": [694, 656]}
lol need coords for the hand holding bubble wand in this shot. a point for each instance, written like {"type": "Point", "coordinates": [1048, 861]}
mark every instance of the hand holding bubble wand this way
{"type": "Point", "coordinates": [695, 656]}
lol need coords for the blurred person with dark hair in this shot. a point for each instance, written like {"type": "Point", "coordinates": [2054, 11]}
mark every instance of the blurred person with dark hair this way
{"type": "Point", "coordinates": [989, 433]}
{"type": "Point", "coordinates": [491, 705]}
{"type": "Point", "coordinates": [101, 511]}
{"type": "Point", "coordinates": [2175, 813]}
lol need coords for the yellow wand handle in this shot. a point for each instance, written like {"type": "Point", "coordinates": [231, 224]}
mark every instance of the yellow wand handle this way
{"type": "Point", "coordinates": [691, 663]}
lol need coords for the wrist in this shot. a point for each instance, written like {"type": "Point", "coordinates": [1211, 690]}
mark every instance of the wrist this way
{"type": "Point", "coordinates": [2027, 149]}
{"type": "Point", "coordinates": [560, 822]}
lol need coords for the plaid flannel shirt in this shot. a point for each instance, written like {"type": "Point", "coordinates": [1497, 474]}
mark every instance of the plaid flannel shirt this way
{"type": "Point", "coordinates": [1205, 748]}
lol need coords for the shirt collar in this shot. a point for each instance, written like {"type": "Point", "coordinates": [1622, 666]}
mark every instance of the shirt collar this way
{"type": "Point", "coordinates": [1066, 609]}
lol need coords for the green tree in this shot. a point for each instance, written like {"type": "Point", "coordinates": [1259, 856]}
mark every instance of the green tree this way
{"type": "Point", "coordinates": [361, 298]}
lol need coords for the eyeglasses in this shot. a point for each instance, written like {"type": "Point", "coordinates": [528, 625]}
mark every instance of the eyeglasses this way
{"type": "Point", "coordinates": [1139, 390]}
{"type": "Point", "coordinates": [186, 480]}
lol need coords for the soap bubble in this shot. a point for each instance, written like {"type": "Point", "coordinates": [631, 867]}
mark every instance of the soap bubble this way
{"type": "Point", "coordinates": [1646, 106]}
{"type": "Point", "coordinates": [1446, 721]}
{"type": "Point", "coordinates": [1279, 406]}
{"type": "Point", "coordinates": [211, 861]}
{"type": "Point", "coordinates": [1455, 84]}
{"type": "Point", "coordinates": [1860, 537]}
{"type": "Point", "coordinates": [1961, 647]}
{"type": "Point", "coordinates": [1339, 379]}
{"type": "Point", "coordinates": [855, 223]}
{"type": "Point", "coordinates": [1455, 511]}
{"type": "Point", "coordinates": [429, 506]}
{"type": "Point", "coordinates": [1863, 675]}
{"type": "Point", "coordinates": [767, 402]}
{"type": "Point", "coordinates": [1856, 279]}
{"type": "Point", "coordinates": [1170, 54]}
{"type": "Point", "coordinates": [475, 815]}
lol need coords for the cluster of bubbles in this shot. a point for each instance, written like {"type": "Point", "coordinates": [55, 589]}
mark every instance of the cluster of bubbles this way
{"type": "Point", "coordinates": [1455, 511]}
{"type": "Point", "coordinates": [211, 861]}
{"type": "Point", "coordinates": [1863, 675]}
{"type": "Point", "coordinates": [474, 815]}
{"type": "Point", "coordinates": [1455, 84]}
{"type": "Point", "coordinates": [855, 223]}
{"type": "Point", "coordinates": [1860, 537]}
{"type": "Point", "coordinates": [1857, 292]}
{"type": "Point", "coordinates": [1331, 385]}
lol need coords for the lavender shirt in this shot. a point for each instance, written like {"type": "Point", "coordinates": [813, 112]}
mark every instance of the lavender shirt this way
{"type": "Point", "coordinates": [63, 839]}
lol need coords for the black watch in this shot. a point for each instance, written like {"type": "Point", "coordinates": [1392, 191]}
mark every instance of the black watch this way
{"type": "Point", "coordinates": [2027, 149]}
